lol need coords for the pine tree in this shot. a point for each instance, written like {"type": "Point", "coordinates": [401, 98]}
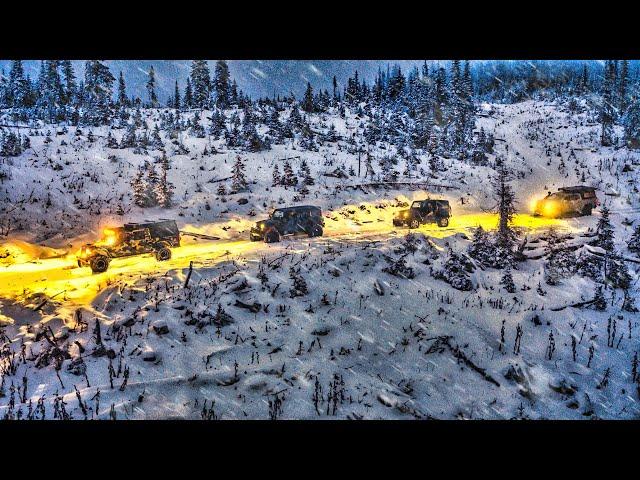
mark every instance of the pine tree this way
{"type": "Point", "coordinates": [151, 88]}
{"type": "Point", "coordinates": [307, 102]}
{"type": "Point", "coordinates": [239, 181]}
{"type": "Point", "coordinates": [507, 281]}
{"type": "Point", "coordinates": [123, 101]}
{"type": "Point", "coordinates": [623, 82]}
{"type": "Point", "coordinates": [139, 187]}
{"type": "Point", "coordinates": [607, 109]}
{"type": "Point", "coordinates": [634, 242]}
{"type": "Point", "coordinates": [505, 207]}
{"type": "Point", "coordinates": [221, 85]}
{"type": "Point", "coordinates": [188, 96]}
{"type": "Point", "coordinates": [98, 83]}
{"type": "Point", "coordinates": [631, 124]}
{"type": "Point", "coordinates": [163, 189]}
{"type": "Point", "coordinates": [276, 180]}
{"type": "Point", "coordinates": [69, 81]}
{"type": "Point", "coordinates": [289, 179]}
{"type": "Point", "coordinates": [200, 83]}
{"type": "Point", "coordinates": [176, 97]}
{"type": "Point", "coordinates": [604, 238]}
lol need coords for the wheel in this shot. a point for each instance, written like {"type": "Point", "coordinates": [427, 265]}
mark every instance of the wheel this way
{"type": "Point", "coordinates": [271, 236]}
{"type": "Point", "coordinates": [315, 231]}
{"type": "Point", "coordinates": [99, 264]}
{"type": "Point", "coordinates": [443, 222]}
{"type": "Point", "coordinates": [414, 223]}
{"type": "Point", "coordinates": [163, 254]}
{"type": "Point", "coordinates": [587, 210]}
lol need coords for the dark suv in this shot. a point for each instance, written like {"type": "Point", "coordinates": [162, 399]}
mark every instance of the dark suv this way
{"type": "Point", "coordinates": [131, 239]}
{"type": "Point", "coordinates": [567, 201]}
{"type": "Point", "coordinates": [424, 211]}
{"type": "Point", "coordinates": [286, 221]}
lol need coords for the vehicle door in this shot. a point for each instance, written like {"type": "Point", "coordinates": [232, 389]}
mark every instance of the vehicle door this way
{"type": "Point", "coordinates": [139, 241]}
{"type": "Point", "coordinates": [428, 211]}
{"type": "Point", "coordinates": [290, 222]}
{"type": "Point", "coordinates": [573, 201]}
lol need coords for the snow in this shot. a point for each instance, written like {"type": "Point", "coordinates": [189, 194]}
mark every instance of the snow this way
{"type": "Point", "coordinates": [409, 348]}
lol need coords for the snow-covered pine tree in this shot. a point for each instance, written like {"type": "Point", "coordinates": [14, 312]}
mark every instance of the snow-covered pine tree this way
{"type": "Point", "coordinates": [505, 208]}
{"type": "Point", "coordinates": [200, 84]}
{"type": "Point", "coordinates": [139, 188]}
{"type": "Point", "coordinates": [307, 102]}
{"type": "Point", "coordinates": [276, 179]}
{"type": "Point", "coordinates": [151, 88]}
{"type": "Point", "coordinates": [129, 139]}
{"type": "Point", "coordinates": [163, 189]}
{"type": "Point", "coordinates": [634, 242]}
{"type": "Point", "coordinates": [607, 108]}
{"type": "Point", "coordinates": [239, 181]}
{"type": "Point", "coordinates": [221, 85]}
{"type": "Point", "coordinates": [289, 178]}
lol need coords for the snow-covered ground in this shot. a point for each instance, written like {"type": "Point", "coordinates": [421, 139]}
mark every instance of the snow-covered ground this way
{"type": "Point", "coordinates": [330, 327]}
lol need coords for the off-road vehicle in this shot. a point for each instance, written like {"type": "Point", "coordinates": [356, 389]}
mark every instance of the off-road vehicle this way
{"type": "Point", "coordinates": [286, 221]}
{"type": "Point", "coordinates": [131, 239]}
{"type": "Point", "coordinates": [567, 201]}
{"type": "Point", "coordinates": [424, 211]}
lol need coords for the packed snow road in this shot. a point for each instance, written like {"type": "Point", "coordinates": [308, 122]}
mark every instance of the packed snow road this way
{"type": "Point", "coordinates": [60, 279]}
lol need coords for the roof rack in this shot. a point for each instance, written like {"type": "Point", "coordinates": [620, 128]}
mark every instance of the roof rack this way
{"type": "Point", "coordinates": [577, 188]}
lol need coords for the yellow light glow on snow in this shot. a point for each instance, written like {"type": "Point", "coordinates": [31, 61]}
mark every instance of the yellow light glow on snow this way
{"type": "Point", "coordinates": [75, 286]}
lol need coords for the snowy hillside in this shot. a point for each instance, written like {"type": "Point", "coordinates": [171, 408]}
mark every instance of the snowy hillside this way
{"type": "Point", "coordinates": [498, 314]}
{"type": "Point", "coordinates": [354, 325]}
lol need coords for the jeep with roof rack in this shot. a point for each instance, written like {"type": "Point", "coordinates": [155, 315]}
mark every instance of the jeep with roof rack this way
{"type": "Point", "coordinates": [157, 237]}
{"type": "Point", "coordinates": [287, 221]}
{"type": "Point", "coordinates": [578, 200]}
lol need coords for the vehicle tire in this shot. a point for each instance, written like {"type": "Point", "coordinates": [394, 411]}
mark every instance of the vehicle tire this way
{"type": "Point", "coordinates": [443, 222]}
{"type": "Point", "coordinates": [414, 223]}
{"type": "Point", "coordinates": [99, 264]}
{"type": "Point", "coordinates": [587, 210]}
{"type": "Point", "coordinates": [163, 254]}
{"type": "Point", "coordinates": [315, 231]}
{"type": "Point", "coordinates": [271, 236]}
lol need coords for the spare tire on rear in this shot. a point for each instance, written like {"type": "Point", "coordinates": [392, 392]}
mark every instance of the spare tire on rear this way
{"type": "Point", "coordinates": [99, 264]}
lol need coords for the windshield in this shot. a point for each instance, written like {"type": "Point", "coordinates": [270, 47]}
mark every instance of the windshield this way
{"type": "Point", "coordinates": [277, 214]}
{"type": "Point", "coordinates": [416, 204]}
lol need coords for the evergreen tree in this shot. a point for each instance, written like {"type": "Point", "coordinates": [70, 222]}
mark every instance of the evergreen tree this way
{"type": "Point", "coordinates": [221, 85]}
{"type": "Point", "coordinates": [631, 124]}
{"type": "Point", "coordinates": [139, 187]}
{"type": "Point", "coordinates": [163, 189]}
{"type": "Point", "coordinates": [123, 101]}
{"type": "Point", "coordinates": [188, 97]}
{"type": "Point", "coordinates": [607, 109]}
{"type": "Point", "coordinates": [151, 88]}
{"type": "Point", "coordinates": [19, 87]}
{"type": "Point", "coordinates": [98, 83]}
{"type": "Point", "coordinates": [288, 178]}
{"type": "Point", "coordinates": [604, 238]}
{"type": "Point", "coordinates": [239, 181]}
{"type": "Point", "coordinates": [276, 180]}
{"type": "Point", "coordinates": [307, 102]}
{"type": "Point", "coordinates": [200, 84]}
{"type": "Point", "coordinates": [634, 242]}
{"type": "Point", "coordinates": [176, 97]}
{"type": "Point", "coordinates": [505, 207]}
{"type": "Point", "coordinates": [623, 82]}
{"type": "Point", "coordinates": [69, 81]}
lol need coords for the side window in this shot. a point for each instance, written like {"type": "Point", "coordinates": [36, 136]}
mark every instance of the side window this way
{"type": "Point", "coordinates": [138, 235]}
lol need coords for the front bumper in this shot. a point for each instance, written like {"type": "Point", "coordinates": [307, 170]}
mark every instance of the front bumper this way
{"type": "Point", "coordinates": [255, 235]}
{"type": "Point", "coordinates": [84, 262]}
{"type": "Point", "coordinates": [399, 222]}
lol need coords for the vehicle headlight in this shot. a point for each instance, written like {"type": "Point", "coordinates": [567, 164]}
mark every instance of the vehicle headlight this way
{"type": "Point", "coordinates": [262, 227]}
{"type": "Point", "coordinates": [550, 209]}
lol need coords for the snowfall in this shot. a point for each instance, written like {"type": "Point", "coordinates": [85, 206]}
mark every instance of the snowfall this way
{"type": "Point", "coordinates": [236, 336]}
